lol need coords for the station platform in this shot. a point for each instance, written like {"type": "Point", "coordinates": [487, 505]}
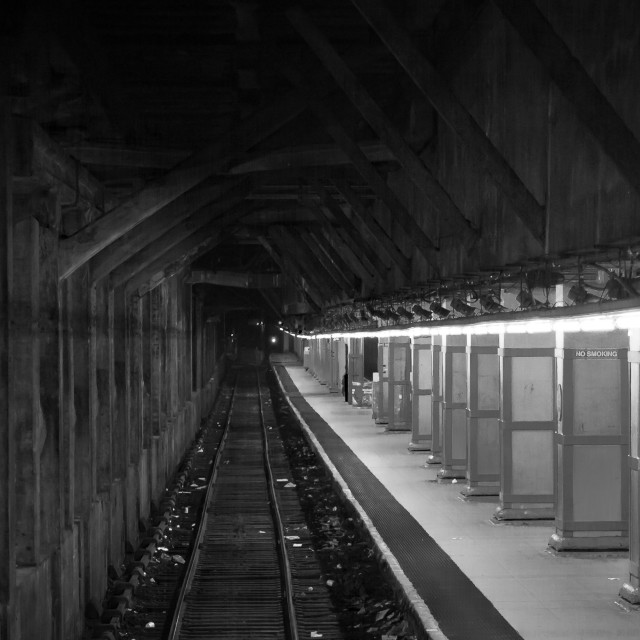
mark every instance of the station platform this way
{"type": "Point", "coordinates": [478, 579]}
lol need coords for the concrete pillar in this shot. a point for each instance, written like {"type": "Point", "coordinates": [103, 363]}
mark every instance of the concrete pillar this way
{"type": "Point", "coordinates": [592, 441]}
{"type": "Point", "coordinates": [483, 413]}
{"type": "Point", "coordinates": [527, 426]}
{"type": "Point", "coordinates": [356, 371]}
{"type": "Point", "coordinates": [381, 385]}
{"type": "Point", "coordinates": [399, 384]}
{"type": "Point", "coordinates": [435, 457]}
{"type": "Point", "coordinates": [454, 408]}
{"type": "Point", "coordinates": [631, 590]}
{"type": "Point", "coordinates": [422, 380]}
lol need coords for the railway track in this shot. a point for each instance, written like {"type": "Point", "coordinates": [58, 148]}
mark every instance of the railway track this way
{"type": "Point", "coordinates": [253, 572]}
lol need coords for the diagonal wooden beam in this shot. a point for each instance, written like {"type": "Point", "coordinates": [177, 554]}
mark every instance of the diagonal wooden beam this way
{"type": "Point", "coordinates": [349, 229]}
{"type": "Point", "coordinates": [359, 260]}
{"type": "Point", "coordinates": [591, 106]}
{"type": "Point", "coordinates": [341, 281]}
{"type": "Point", "coordinates": [312, 269]}
{"type": "Point", "coordinates": [82, 246]}
{"type": "Point", "coordinates": [418, 173]}
{"type": "Point", "coordinates": [219, 216]}
{"type": "Point", "coordinates": [331, 254]}
{"type": "Point", "coordinates": [378, 184]}
{"type": "Point", "coordinates": [177, 257]}
{"type": "Point", "coordinates": [352, 254]}
{"type": "Point", "coordinates": [420, 70]}
{"type": "Point", "coordinates": [168, 217]}
{"type": "Point", "coordinates": [296, 278]}
{"type": "Point", "coordinates": [317, 155]}
{"type": "Point", "coordinates": [363, 218]}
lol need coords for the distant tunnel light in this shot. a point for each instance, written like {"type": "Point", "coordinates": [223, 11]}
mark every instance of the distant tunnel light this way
{"type": "Point", "coordinates": [274, 339]}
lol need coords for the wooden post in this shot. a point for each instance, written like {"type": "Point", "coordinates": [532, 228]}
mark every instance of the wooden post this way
{"type": "Point", "coordinates": [25, 343]}
{"type": "Point", "coordinates": [7, 420]}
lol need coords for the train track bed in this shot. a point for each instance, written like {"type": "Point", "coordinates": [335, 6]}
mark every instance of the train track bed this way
{"type": "Point", "coordinates": [339, 588]}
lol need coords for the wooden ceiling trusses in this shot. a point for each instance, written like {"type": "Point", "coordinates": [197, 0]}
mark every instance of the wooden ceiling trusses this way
{"type": "Point", "coordinates": [454, 114]}
{"type": "Point", "coordinates": [366, 169]}
{"type": "Point", "coordinates": [210, 160]}
{"type": "Point", "coordinates": [382, 125]}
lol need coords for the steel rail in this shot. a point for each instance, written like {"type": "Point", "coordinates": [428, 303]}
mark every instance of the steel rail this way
{"type": "Point", "coordinates": [176, 621]}
{"type": "Point", "coordinates": [285, 572]}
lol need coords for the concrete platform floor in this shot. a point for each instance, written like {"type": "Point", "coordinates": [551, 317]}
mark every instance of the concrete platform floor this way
{"type": "Point", "coordinates": [544, 596]}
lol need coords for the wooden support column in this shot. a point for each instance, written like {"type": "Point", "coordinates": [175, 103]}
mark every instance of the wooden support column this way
{"type": "Point", "coordinates": [437, 376]}
{"type": "Point", "coordinates": [592, 510]}
{"type": "Point", "coordinates": [483, 414]}
{"type": "Point", "coordinates": [630, 591]}
{"type": "Point", "coordinates": [7, 421]}
{"type": "Point", "coordinates": [527, 426]}
{"type": "Point", "coordinates": [422, 380]}
{"type": "Point", "coordinates": [25, 342]}
{"type": "Point", "coordinates": [156, 341]}
{"type": "Point", "coordinates": [454, 405]}
{"type": "Point", "coordinates": [399, 384]}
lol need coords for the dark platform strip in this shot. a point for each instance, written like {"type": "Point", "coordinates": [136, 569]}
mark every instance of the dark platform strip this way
{"type": "Point", "coordinates": [461, 609]}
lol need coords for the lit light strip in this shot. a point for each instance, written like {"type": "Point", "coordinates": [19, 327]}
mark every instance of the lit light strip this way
{"type": "Point", "coordinates": [603, 321]}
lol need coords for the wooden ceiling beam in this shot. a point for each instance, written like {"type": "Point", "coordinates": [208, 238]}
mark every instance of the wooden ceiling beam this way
{"type": "Point", "coordinates": [214, 196]}
{"type": "Point", "coordinates": [313, 233]}
{"type": "Point", "coordinates": [426, 78]}
{"type": "Point", "coordinates": [350, 229]}
{"type": "Point", "coordinates": [363, 217]}
{"type": "Point", "coordinates": [353, 254]}
{"type": "Point", "coordinates": [360, 262]}
{"type": "Point", "coordinates": [132, 157]}
{"type": "Point", "coordinates": [198, 222]}
{"type": "Point", "coordinates": [341, 281]}
{"type": "Point", "coordinates": [592, 107]}
{"type": "Point", "coordinates": [176, 259]}
{"type": "Point", "coordinates": [312, 269]}
{"type": "Point", "coordinates": [417, 172]}
{"type": "Point", "coordinates": [292, 273]}
{"type": "Point", "coordinates": [317, 155]}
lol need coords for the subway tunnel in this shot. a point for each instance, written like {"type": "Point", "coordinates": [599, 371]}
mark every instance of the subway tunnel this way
{"type": "Point", "coordinates": [433, 205]}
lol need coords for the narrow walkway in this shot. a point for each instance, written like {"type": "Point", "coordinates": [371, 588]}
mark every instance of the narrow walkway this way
{"type": "Point", "coordinates": [480, 580]}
